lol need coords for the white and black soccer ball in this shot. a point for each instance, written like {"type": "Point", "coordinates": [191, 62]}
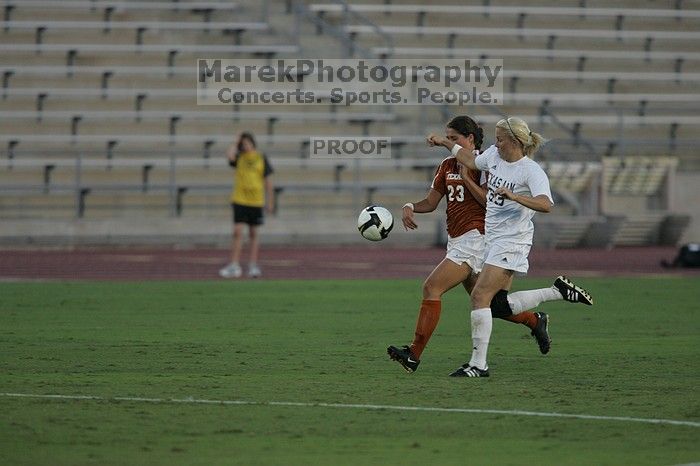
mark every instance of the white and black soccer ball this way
{"type": "Point", "coordinates": [375, 222]}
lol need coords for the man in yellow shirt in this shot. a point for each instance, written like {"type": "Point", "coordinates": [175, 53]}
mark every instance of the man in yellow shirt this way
{"type": "Point", "coordinates": [252, 186]}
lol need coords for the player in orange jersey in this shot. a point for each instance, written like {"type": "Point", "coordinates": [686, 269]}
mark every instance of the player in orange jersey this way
{"type": "Point", "coordinates": [517, 188]}
{"type": "Point", "coordinates": [466, 199]}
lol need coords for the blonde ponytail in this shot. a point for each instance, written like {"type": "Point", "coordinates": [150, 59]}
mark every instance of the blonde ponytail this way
{"type": "Point", "coordinates": [536, 141]}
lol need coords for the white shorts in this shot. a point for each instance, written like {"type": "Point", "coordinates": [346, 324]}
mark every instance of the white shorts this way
{"type": "Point", "coordinates": [509, 256]}
{"type": "Point", "coordinates": [467, 248]}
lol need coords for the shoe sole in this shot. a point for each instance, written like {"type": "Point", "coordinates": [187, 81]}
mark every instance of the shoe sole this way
{"type": "Point", "coordinates": [394, 357]}
{"type": "Point", "coordinates": [588, 299]}
{"type": "Point", "coordinates": [461, 373]}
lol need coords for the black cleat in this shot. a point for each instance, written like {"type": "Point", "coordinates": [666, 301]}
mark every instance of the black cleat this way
{"type": "Point", "coordinates": [571, 292]}
{"type": "Point", "coordinates": [404, 357]}
{"type": "Point", "coordinates": [541, 332]}
{"type": "Point", "coordinates": [470, 371]}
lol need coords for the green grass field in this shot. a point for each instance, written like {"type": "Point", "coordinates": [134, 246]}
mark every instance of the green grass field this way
{"type": "Point", "coordinates": [634, 354]}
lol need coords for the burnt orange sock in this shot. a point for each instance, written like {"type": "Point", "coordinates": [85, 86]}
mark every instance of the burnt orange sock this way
{"type": "Point", "coordinates": [527, 318]}
{"type": "Point", "coordinates": [428, 318]}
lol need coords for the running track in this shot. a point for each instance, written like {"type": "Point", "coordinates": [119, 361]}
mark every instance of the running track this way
{"type": "Point", "coordinates": [372, 261]}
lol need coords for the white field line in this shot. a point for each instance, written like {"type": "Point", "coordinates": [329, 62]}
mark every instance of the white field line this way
{"type": "Point", "coordinates": [358, 406]}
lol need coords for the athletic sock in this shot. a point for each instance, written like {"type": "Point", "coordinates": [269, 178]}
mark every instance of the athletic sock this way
{"type": "Point", "coordinates": [523, 300]}
{"type": "Point", "coordinates": [527, 318]}
{"type": "Point", "coordinates": [428, 318]}
{"type": "Point", "coordinates": [482, 323]}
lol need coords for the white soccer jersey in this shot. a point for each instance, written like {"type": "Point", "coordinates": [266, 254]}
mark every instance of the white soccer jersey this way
{"type": "Point", "coordinates": [507, 220]}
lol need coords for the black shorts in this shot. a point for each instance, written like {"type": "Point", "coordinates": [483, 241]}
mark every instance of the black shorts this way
{"type": "Point", "coordinates": [247, 214]}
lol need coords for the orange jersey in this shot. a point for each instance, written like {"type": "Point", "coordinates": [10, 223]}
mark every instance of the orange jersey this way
{"type": "Point", "coordinates": [464, 213]}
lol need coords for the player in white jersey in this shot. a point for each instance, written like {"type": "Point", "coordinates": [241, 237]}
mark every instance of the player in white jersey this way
{"type": "Point", "coordinates": [517, 188]}
{"type": "Point", "coordinates": [465, 191]}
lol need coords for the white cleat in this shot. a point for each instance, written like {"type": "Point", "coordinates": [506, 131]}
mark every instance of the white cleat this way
{"type": "Point", "coordinates": [254, 271]}
{"type": "Point", "coordinates": [233, 270]}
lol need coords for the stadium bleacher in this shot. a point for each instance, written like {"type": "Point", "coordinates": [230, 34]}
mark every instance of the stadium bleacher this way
{"type": "Point", "coordinates": [99, 103]}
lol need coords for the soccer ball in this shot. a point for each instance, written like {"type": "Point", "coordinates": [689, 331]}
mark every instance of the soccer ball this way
{"type": "Point", "coordinates": [375, 223]}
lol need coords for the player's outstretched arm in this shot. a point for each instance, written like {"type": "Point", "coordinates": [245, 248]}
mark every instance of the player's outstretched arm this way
{"type": "Point", "coordinates": [464, 156]}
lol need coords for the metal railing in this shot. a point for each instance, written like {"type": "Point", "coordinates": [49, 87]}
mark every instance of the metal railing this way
{"type": "Point", "coordinates": [350, 45]}
{"type": "Point", "coordinates": [351, 16]}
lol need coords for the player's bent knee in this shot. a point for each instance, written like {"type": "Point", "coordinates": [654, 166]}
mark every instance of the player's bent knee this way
{"type": "Point", "coordinates": [432, 290]}
{"type": "Point", "coordinates": [500, 307]}
{"type": "Point", "coordinates": [481, 296]}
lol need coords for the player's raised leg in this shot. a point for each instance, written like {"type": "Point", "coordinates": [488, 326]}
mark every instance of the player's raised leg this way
{"type": "Point", "coordinates": [538, 323]}
{"type": "Point", "coordinates": [562, 289]}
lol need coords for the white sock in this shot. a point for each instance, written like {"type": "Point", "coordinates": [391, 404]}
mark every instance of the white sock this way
{"type": "Point", "coordinates": [524, 300]}
{"type": "Point", "coordinates": [482, 323]}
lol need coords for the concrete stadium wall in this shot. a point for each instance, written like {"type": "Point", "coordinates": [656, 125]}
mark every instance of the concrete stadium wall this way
{"type": "Point", "coordinates": [288, 228]}
{"type": "Point", "coordinates": [687, 200]}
